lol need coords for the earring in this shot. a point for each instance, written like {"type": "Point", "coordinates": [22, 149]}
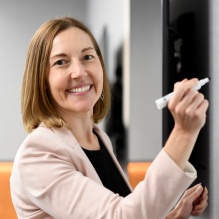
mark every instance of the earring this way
{"type": "Point", "coordinates": [102, 95]}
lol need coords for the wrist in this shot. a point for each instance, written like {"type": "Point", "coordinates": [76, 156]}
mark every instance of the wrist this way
{"type": "Point", "coordinates": [174, 215]}
{"type": "Point", "coordinates": [186, 133]}
{"type": "Point", "coordinates": [171, 215]}
{"type": "Point", "coordinates": [179, 146]}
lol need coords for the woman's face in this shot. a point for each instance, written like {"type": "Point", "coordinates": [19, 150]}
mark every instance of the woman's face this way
{"type": "Point", "coordinates": [75, 76]}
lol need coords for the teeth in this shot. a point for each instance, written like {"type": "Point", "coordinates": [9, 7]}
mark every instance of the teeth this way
{"type": "Point", "coordinates": [80, 89]}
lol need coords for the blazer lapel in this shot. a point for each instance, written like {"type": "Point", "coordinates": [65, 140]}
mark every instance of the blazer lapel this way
{"type": "Point", "coordinates": [79, 158]}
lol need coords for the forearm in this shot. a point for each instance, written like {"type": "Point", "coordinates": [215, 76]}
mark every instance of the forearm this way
{"type": "Point", "coordinates": [179, 146]}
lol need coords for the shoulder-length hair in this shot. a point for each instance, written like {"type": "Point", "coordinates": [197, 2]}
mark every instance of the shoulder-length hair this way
{"type": "Point", "coordinates": [36, 104]}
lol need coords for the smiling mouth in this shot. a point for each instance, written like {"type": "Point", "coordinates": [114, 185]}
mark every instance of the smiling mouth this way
{"type": "Point", "coordinates": [80, 89]}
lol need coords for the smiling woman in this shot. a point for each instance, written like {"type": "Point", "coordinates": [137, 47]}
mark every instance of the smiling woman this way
{"type": "Point", "coordinates": [53, 56]}
{"type": "Point", "coordinates": [66, 167]}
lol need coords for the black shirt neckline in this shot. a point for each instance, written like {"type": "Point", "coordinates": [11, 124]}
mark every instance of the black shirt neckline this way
{"type": "Point", "coordinates": [107, 170]}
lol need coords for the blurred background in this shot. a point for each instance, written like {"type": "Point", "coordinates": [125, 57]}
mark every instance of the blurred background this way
{"type": "Point", "coordinates": [147, 46]}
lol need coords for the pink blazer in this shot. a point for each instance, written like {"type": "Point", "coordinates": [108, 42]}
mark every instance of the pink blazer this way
{"type": "Point", "coordinates": [53, 178]}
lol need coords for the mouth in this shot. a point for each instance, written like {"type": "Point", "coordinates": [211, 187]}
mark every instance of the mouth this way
{"type": "Point", "coordinates": [80, 89]}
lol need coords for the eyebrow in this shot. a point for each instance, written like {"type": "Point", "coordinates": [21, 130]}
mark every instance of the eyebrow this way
{"type": "Point", "coordinates": [88, 48]}
{"type": "Point", "coordinates": [63, 54]}
{"type": "Point", "coordinates": [58, 55]}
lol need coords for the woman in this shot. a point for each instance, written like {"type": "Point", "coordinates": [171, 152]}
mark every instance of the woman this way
{"type": "Point", "coordinates": [65, 168]}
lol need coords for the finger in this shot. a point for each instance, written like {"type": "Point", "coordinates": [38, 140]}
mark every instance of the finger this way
{"type": "Point", "coordinates": [184, 80]}
{"type": "Point", "coordinates": [202, 200]}
{"type": "Point", "coordinates": [202, 196]}
{"type": "Point", "coordinates": [204, 193]}
{"type": "Point", "coordinates": [203, 107]}
{"type": "Point", "coordinates": [180, 89]}
{"type": "Point", "coordinates": [196, 193]}
{"type": "Point", "coordinates": [202, 203]}
{"type": "Point", "coordinates": [186, 84]}
{"type": "Point", "coordinates": [190, 102]}
{"type": "Point", "coordinates": [196, 100]}
{"type": "Point", "coordinates": [199, 209]}
{"type": "Point", "coordinates": [189, 191]}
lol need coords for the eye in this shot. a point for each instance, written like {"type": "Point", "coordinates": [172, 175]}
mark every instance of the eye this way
{"type": "Point", "coordinates": [88, 57]}
{"type": "Point", "coordinates": [60, 62]}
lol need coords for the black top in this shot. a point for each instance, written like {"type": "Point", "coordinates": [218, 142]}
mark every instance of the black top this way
{"type": "Point", "coordinates": [107, 170]}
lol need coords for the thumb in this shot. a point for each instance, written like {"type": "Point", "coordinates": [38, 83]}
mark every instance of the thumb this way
{"type": "Point", "coordinates": [189, 191]}
{"type": "Point", "coordinates": [193, 196]}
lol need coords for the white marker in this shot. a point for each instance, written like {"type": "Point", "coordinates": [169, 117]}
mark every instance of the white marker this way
{"type": "Point", "coordinates": [163, 101]}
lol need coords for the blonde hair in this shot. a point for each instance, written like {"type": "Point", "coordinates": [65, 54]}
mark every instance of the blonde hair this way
{"type": "Point", "coordinates": [36, 103]}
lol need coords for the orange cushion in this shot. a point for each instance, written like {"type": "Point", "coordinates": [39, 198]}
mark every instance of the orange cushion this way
{"type": "Point", "coordinates": [136, 172]}
{"type": "Point", "coordinates": [6, 207]}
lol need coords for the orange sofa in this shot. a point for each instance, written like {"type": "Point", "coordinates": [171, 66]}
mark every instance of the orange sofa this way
{"type": "Point", "coordinates": [6, 207]}
{"type": "Point", "coordinates": [136, 172]}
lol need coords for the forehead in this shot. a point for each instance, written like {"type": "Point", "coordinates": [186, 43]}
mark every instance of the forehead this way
{"type": "Point", "coordinates": [73, 37]}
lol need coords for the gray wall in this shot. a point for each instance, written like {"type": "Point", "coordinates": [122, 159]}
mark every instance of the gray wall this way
{"type": "Point", "coordinates": [18, 22]}
{"type": "Point", "coordinates": [144, 131]}
{"type": "Point", "coordinates": [103, 15]}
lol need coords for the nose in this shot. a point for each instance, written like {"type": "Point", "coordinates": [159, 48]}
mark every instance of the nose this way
{"type": "Point", "coordinates": [77, 70]}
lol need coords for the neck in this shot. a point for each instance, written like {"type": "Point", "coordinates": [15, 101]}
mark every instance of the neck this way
{"type": "Point", "coordinates": [82, 129]}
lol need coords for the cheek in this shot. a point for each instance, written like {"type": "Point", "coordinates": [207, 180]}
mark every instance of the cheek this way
{"type": "Point", "coordinates": [100, 77]}
{"type": "Point", "coordinates": [51, 85]}
{"type": "Point", "coordinates": [50, 79]}
{"type": "Point", "coordinates": [53, 88]}
{"type": "Point", "coordinates": [100, 84]}
{"type": "Point", "coordinates": [55, 81]}
{"type": "Point", "coordinates": [101, 80]}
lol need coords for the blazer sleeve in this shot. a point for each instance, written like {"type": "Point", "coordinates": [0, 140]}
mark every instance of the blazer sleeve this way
{"type": "Point", "coordinates": [52, 182]}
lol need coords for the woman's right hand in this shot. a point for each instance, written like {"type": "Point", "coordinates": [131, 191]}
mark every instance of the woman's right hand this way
{"type": "Point", "coordinates": [188, 108]}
